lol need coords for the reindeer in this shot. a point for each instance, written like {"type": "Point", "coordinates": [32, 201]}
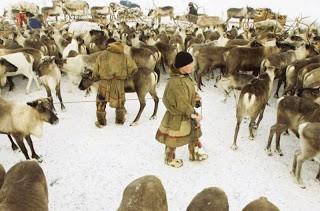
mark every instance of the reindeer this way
{"type": "Point", "coordinates": [292, 111]}
{"type": "Point", "coordinates": [208, 58]}
{"type": "Point", "coordinates": [5, 67]}
{"type": "Point", "coordinates": [307, 77]}
{"type": "Point", "coordinates": [248, 59]}
{"type": "Point", "coordinates": [24, 188]}
{"type": "Point", "coordinates": [56, 10]}
{"type": "Point", "coordinates": [21, 121]}
{"type": "Point", "coordinates": [50, 77]}
{"type": "Point", "coordinates": [233, 82]}
{"type": "Point", "coordinates": [241, 13]}
{"type": "Point", "coordinates": [207, 21]}
{"type": "Point", "coordinates": [252, 102]}
{"type": "Point", "coordinates": [309, 133]}
{"type": "Point", "coordinates": [311, 93]}
{"type": "Point", "coordinates": [161, 12]}
{"type": "Point", "coordinates": [75, 7]}
{"type": "Point", "coordinates": [24, 63]}
{"type": "Point", "coordinates": [280, 62]}
{"type": "Point", "coordinates": [293, 70]}
{"type": "Point", "coordinates": [142, 82]}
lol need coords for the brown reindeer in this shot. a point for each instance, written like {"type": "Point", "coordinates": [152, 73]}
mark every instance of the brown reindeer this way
{"type": "Point", "coordinates": [55, 11]}
{"type": "Point", "coordinates": [248, 59]}
{"type": "Point", "coordinates": [280, 61]}
{"type": "Point", "coordinates": [252, 102]}
{"type": "Point", "coordinates": [50, 77]}
{"type": "Point", "coordinates": [24, 188]}
{"type": "Point", "coordinates": [293, 70]}
{"type": "Point", "coordinates": [292, 111]}
{"type": "Point", "coordinates": [142, 82]}
{"type": "Point", "coordinates": [308, 77]}
{"type": "Point", "coordinates": [311, 93]}
{"type": "Point", "coordinates": [233, 82]}
{"type": "Point", "coordinates": [309, 133]}
{"type": "Point", "coordinates": [208, 58]}
{"type": "Point", "coordinates": [161, 12]}
{"type": "Point", "coordinates": [21, 121]}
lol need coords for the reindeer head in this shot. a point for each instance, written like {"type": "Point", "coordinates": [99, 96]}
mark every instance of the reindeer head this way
{"type": "Point", "coordinates": [87, 79]}
{"type": "Point", "coordinates": [46, 110]}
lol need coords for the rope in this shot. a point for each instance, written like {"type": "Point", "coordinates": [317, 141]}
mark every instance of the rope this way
{"type": "Point", "coordinates": [94, 101]}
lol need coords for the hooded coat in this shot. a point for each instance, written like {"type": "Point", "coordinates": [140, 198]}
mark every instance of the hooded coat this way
{"type": "Point", "coordinates": [176, 128]}
{"type": "Point", "coordinates": [113, 67]}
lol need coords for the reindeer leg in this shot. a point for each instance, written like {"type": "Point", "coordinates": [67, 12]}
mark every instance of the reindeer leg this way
{"type": "Point", "coordinates": [48, 90]}
{"type": "Point", "coordinates": [260, 117]}
{"type": "Point", "coordinates": [294, 163]}
{"type": "Point", "coordinates": [34, 154]}
{"type": "Point", "coordinates": [300, 159]}
{"type": "Point", "coordinates": [252, 128]}
{"type": "Point", "coordinates": [10, 82]}
{"type": "Point", "coordinates": [279, 131]}
{"type": "Point", "coordinates": [29, 84]}
{"type": "Point", "coordinates": [318, 175]}
{"type": "Point", "coordinates": [234, 145]}
{"type": "Point", "coordinates": [155, 97]}
{"type": "Point", "coordinates": [276, 95]}
{"type": "Point", "coordinates": [58, 93]}
{"type": "Point", "coordinates": [19, 140]}
{"type": "Point", "coordinates": [274, 129]}
{"type": "Point", "coordinates": [142, 102]}
{"type": "Point", "coordinates": [13, 145]}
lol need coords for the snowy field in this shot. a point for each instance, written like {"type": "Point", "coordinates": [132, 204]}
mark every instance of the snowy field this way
{"type": "Point", "coordinates": [88, 168]}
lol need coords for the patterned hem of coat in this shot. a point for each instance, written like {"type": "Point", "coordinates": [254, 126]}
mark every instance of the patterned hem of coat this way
{"type": "Point", "coordinates": [177, 141]}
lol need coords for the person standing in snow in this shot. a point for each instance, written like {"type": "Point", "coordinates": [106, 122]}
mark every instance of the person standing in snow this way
{"type": "Point", "coordinates": [180, 124]}
{"type": "Point", "coordinates": [113, 67]}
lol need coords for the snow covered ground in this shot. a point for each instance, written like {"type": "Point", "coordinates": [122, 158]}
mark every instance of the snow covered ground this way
{"type": "Point", "coordinates": [88, 168]}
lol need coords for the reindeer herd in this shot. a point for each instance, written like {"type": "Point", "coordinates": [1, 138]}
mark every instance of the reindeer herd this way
{"type": "Point", "coordinates": [250, 58]}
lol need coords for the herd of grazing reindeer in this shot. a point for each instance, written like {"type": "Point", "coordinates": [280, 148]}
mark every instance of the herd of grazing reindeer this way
{"type": "Point", "coordinates": [250, 57]}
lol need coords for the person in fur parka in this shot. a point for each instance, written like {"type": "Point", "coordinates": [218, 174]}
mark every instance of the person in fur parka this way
{"type": "Point", "coordinates": [113, 67]}
{"type": "Point", "coordinates": [180, 124]}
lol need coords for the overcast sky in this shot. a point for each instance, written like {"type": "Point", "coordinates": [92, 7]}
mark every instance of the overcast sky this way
{"type": "Point", "coordinates": [292, 8]}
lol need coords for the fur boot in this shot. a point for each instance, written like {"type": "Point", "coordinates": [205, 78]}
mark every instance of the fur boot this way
{"type": "Point", "coordinates": [170, 159]}
{"type": "Point", "coordinates": [196, 152]}
{"type": "Point", "coordinates": [101, 117]}
{"type": "Point", "coordinates": [120, 115]}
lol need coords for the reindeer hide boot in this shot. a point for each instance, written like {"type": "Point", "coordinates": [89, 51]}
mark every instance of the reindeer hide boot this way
{"type": "Point", "coordinates": [170, 159]}
{"type": "Point", "coordinates": [101, 116]}
{"type": "Point", "coordinates": [196, 152]}
{"type": "Point", "coordinates": [120, 115]}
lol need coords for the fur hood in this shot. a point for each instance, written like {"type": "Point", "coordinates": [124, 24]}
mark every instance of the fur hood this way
{"type": "Point", "coordinates": [116, 47]}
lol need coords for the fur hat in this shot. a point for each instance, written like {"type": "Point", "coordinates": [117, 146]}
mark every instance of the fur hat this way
{"type": "Point", "coordinates": [183, 58]}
